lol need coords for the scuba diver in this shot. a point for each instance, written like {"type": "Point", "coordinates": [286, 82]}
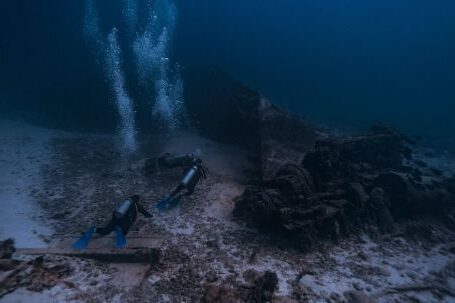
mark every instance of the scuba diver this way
{"type": "Point", "coordinates": [122, 218]}
{"type": "Point", "coordinates": [192, 174]}
{"type": "Point", "coordinates": [171, 161]}
{"type": "Point", "coordinates": [168, 161]}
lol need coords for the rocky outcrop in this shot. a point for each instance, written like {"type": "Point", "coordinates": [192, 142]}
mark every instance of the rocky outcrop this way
{"type": "Point", "coordinates": [224, 110]}
{"type": "Point", "coordinates": [7, 249]}
{"type": "Point", "coordinates": [344, 185]}
{"type": "Point", "coordinates": [220, 294]}
{"type": "Point", "coordinates": [309, 185]}
{"type": "Point", "coordinates": [260, 287]}
{"type": "Point", "coordinates": [284, 139]}
{"type": "Point", "coordinates": [220, 108]}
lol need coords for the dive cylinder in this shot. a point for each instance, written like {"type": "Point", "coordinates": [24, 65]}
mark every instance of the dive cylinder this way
{"type": "Point", "coordinates": [123, 208]}
{"type": "Point", "coordinates": [189, 176]}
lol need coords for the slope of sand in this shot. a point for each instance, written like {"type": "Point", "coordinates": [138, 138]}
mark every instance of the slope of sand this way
{"type": "Point", "coordinates": [84, 178]}
{"type": "Point", "coordinates": [22, 153]}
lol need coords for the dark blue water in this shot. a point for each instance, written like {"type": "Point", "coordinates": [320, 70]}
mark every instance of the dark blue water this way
{"type": "Point", "coordinates": [343, 63]}
{"type": "Point", "coordinates": [338, 61]}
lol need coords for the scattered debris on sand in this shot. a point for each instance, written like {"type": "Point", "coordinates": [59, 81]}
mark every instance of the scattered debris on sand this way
{"type": "Point", "coordinates": [35, 275]}
{"type": "Point", "coordinates": [347, 185]}
{"type": "Point", "coordinates": [288, 213]}
{"type": "Point", "coordinates": [207, 254]}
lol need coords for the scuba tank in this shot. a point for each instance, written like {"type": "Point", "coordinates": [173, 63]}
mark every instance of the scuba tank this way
{"type": "Point", "coordinates": [193, 172]}
{"type": "Point", "coordinates": [189, 176]}
{"type": "Point", "coordinates": [123, 208]}
{"type": "Point", "coordinates": [122, 218]}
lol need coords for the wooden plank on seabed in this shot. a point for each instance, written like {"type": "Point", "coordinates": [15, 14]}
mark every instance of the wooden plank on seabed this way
{"type": "Point", "coordinates": [133, 241]}
{"type": "Point", "coordinates": [140, 249]}
{"type": "Point", "coordinates": [124, 255]}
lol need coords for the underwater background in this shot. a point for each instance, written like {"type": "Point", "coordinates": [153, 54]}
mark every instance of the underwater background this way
{"type": "Point", "coordinates": [229, 151]}
{"type": "Point", "coordinates": [341, 63]}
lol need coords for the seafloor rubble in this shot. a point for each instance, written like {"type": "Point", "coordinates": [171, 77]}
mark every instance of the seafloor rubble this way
{"type": "Point", "coordinates": [288, 212]}
{"type": "Point", "coordinates": [35, 274]}
{"type": "Point", "coordinates": [310, 185]}
{"type": "Point", "coordinates": [345, 185]}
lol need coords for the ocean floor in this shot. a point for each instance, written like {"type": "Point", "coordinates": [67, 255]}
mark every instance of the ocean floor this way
{"type": "Point", "coordinates": [55, 184]}
{"type": "Point", "coordinates": [23, 151]}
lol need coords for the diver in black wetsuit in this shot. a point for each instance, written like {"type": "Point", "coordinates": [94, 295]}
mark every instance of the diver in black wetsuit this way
{"type": "Point", "coordinates": [171, 161]}
{"type": "Point", "coordinates": [122, 219]}
{"type": "Point", "coordinates": [192, 174]}
{"type": "Point", "coordinates": [124, 216]}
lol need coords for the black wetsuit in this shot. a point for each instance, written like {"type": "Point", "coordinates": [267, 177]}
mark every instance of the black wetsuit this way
{"type": "Point", "coordinates": [172, 161]}
{"type": "Point", "coordinates": [126, 220]}
{"type": "Point", "coordinates": [193, 173]}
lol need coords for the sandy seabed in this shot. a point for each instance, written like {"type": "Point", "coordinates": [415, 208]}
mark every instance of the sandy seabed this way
{"type": "Point", "coordinates": [55, 183]}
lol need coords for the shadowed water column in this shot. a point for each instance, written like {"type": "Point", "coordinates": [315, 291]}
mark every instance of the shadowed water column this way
{"type": "Point", "coordinates": [130, 15]}
{"type": "Point", "coordinates": [123, 101]}
{"type": "Point", "coordinates": [91, 30]}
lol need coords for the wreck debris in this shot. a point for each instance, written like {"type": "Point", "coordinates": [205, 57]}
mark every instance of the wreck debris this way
{"type": "Point", "coordinates": [220, 294]}
{"type": "Point", "coordinates": [260, 287]}
{"type": "Point", "coordinates": [344, 185]}
{"type": "Point", "coordinates": [338, 185]}
{"type": "Point", "coordinates": [226, 111]}
{"type": "Point", "coordinates": [7, 249]}
{"type": "Point", "coordinates": [141, 249]}
{"type": "Point", "coordinates": [35, 275]}
{"type": "Point", "coordinates": [110, 255]}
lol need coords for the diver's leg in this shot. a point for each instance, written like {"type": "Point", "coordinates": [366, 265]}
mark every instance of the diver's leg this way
{"type": "Point", "coordinates": [191, 187]}
{"type": "Point", "coordinates": [142, 210]}
{"type": "Point", "coordinates": [84, 240]}
{"type": "Point", "coordinates": [107, 229]}
{"type": "Point", "coordinates": [120, 240]}
{"type": "Point", "coordinates": [190, 191]}
{"type": "Point", "coordinates": [178, 189]}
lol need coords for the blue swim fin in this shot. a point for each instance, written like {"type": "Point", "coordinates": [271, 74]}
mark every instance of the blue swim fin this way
{"type": "Point", "coordinates": [163, 203]}
{"type": "Point", "coordinates": [174, 202]}
{"type": "Point", "coordinates": [120, 240]}
{"type": "Point", "coordinates": [168, 202]}
{"type": "Point", "coordinates": [82, 243]}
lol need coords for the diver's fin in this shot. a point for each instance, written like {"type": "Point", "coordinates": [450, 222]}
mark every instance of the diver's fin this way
{"type": "Point", "coordinates": [168, 202]}
{"type": "Point", "coordinates": [174, 202]}
{"type": "Point", "coordinates": [162, 205]}
{"type": "Point", "coordinates": [120, 240]}
{"type": "Point", "coordinates": [82, 243]}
